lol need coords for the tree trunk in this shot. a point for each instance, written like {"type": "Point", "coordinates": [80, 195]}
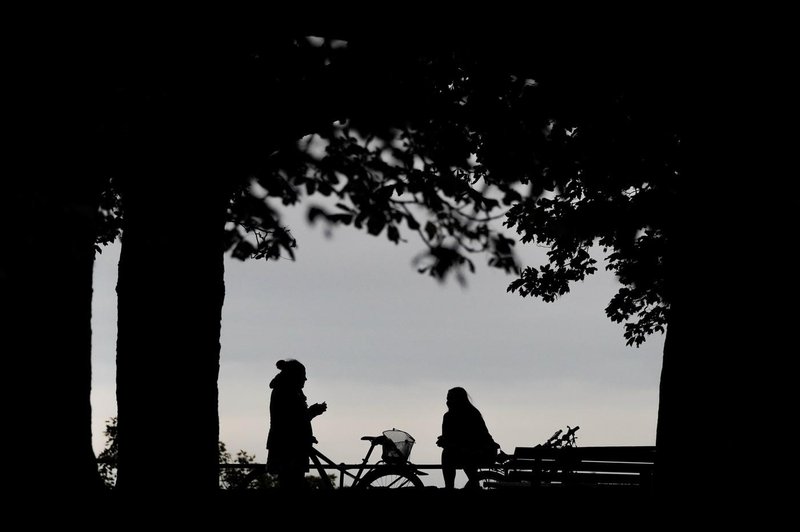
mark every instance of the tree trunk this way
{"type": "Point", "coordinates": [48, 220]}
{"type": "Point", "coordinates": [701, 384]}
{"type": "Point", "coordinates": [724, 379]}
{"type": "Point", "coordinates": [170, 294]}
{"type": "Point", "coordinates": [725, 374]}
{"type": "Point", "coordinates": [47, 294]}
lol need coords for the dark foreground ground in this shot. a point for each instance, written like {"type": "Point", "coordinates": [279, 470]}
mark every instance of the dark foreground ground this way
{"type": "Point", "coordinates": [425, 509]}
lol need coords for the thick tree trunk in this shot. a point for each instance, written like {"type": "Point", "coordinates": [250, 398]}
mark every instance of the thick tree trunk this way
{"type": "Point", "coordinates": [725, 376]}
{"type": "Point", "coordinates": [734, 290]}
{"type": "Point", "coordinates": [47, 295]}
{"type": "Point", "coordinates": [48, 209]}
{"type": "Point", "coordinates": [701, 400]}
{"type": "Point", "coordinates": [170, 294]}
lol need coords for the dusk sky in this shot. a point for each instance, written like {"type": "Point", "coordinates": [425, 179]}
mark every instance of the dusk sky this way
{"type": "Point", "coordinates": [382, 344]}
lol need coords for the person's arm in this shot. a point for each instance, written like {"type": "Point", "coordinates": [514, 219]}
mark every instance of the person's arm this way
{"type": "Point", "coordinates": [486, 435]}
{"type": "Point", "coordinates": [442, 440]}
{"type": "Point", "coordinates": [317, 409]}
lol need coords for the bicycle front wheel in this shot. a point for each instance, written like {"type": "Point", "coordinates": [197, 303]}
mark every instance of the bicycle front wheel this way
{"type": "Point", "coordinates": [389, 478]}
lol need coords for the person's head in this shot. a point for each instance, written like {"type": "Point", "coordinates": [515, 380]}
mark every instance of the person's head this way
{"type": "Point", "coordinates": [458, 399]}
{"type": "Point", "coordinates": [293, 373]}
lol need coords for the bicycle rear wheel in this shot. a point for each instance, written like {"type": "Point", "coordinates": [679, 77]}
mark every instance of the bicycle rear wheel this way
{"type": "Point", "coordinates": [487, 479]}
{"type": "Point", "coordinates": [390, 478]}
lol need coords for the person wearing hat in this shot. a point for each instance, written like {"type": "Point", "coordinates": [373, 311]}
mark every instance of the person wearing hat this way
{"type": "Point", "coordinates": [290, 435]}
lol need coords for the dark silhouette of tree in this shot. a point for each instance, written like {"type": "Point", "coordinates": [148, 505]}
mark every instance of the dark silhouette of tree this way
{"type": "Point", "coordinates": [231, 478]}
{"type": "Point", "coordinates": [162, 178]}
{"type": "Point", "coordinates": [108, 459]}
{"type": "Point", "coordinates": [49, 218]}
{"type": "Point", "coordinates": [437, 136]}
{"type": "Point", "coordinates": [46, 323]}
{"type": "Point", "coordinates": [170, 468]}
{"type": "Point", "coordinates": [650, 156]}
{"type": "Point", "coordinates": [629, 148]}
{"type": "Point", "coordinates": [235, 104]}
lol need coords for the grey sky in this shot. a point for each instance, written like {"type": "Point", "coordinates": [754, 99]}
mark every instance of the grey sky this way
{"type": "Point", "coordinates": [382, 345]}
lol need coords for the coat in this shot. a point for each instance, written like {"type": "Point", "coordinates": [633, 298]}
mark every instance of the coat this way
{"type": "Point", "coordinates": [466, 439]}
{"type": "Point", "coordinates": [290, 435]}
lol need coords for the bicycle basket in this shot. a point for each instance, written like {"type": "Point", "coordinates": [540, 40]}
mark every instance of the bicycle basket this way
{"type": "Point", "coordinates": [397, 446]}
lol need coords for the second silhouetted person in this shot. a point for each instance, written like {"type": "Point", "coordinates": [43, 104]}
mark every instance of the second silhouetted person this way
{"type": "Point", "coordinates": [465, 441]}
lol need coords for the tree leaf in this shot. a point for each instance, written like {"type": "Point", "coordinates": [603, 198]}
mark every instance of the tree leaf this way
{"type": "Point", "coordinates": [375, 224]}
{"type": "Point", "coordinates": [393, 234]}
{"type": "Point", "coordinates": [430, 230]}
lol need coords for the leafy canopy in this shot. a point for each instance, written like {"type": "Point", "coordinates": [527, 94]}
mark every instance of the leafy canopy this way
{"type": "Point", "coordinates": [455, 143]}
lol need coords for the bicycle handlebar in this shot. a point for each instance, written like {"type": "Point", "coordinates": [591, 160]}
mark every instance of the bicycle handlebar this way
{"type": "Point", "coordinates": [374, 439]}
{"type": "Point", "coordinates": [561, 438]}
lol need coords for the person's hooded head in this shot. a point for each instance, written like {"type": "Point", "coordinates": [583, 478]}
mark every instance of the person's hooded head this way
{"type": "Point", "coordinates": [292, 374]}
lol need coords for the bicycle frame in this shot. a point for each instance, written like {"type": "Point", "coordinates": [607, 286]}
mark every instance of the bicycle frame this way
{"type": "Point", "coordinates": [317, 459]}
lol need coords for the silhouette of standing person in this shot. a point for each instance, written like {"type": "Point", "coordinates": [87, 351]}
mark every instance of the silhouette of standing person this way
{"type": "Point", "coordinates": [290, 435]}
{"type": "Point", "coordinates": [465, 441]}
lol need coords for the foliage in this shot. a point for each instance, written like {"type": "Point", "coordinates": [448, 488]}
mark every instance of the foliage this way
{"type": "Point", "coordinates": [401, 163]}
{"type": "Point", "coordinates": [229, 477]}
{"type": "Point", "coordinates": [259, 479]}
{"type": "Point", "coordinates": [107, 459]}
{"type": "Point", "coordinates": [315, 482]}
{"type": "Point", "coordinates": [107, 462]}
{"type": "Point", "coordinates": [611, 178]}
{"type": "Point", "coordinates": [459, 139]}
{"type": "Point", "coordinates": [232, 477]}
{"type": "Point", "coordinates": [109, 215]}
{"type": "Point", "coordinates": [452, 143]}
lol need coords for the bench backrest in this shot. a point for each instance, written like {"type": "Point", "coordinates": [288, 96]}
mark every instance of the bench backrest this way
{"type": "Point", "coordinates": [629, 466]}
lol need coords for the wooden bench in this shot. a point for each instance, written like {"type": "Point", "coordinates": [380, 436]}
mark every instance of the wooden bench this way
{"type": "Point", "coordinates": [624, 467]}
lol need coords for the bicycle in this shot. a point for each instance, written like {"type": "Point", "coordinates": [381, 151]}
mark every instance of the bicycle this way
{"type": "Point", "coordinates": [497, 473]}
{"type": "Point", "coordinates": [392, 471]}
{"type": "Point", "coordinates": [559, 441]}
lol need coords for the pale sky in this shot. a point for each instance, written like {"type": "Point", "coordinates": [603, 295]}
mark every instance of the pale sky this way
{"type": "Point", "coordinates": [382, 344]}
